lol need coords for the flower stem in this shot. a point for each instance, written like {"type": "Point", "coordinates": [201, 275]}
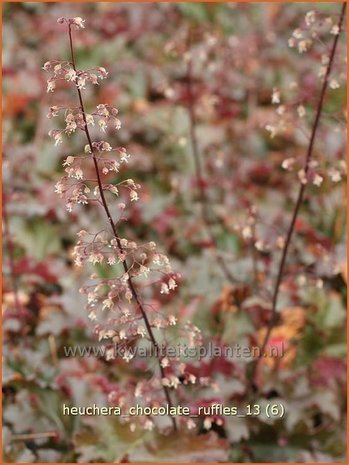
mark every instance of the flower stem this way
{"type": "Point", "coordinates": [274, 314]}
{"type": "Point", "coordinates": [199, 171]}
{"type": "Point", "coordinates": [115, 233]}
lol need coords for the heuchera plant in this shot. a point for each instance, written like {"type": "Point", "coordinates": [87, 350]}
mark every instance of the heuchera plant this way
{"type": "Point", "coordinates": [192, 47]}
{"type": "Point", "coordinates": [309, 171]}
{"type": "Point", "coordinates": [122, 306]}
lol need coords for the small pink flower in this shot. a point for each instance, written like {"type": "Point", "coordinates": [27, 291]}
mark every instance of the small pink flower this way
{"type": "Point", "coordinates": [78, 22]}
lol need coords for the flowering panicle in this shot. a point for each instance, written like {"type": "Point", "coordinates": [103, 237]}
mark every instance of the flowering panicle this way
{"type": "Point", "coordinates": [77, 188]}
{"type": "Point", "coordinates": [308, 169]}
{"type": "Point", "coordinates": [64, 71]}
{"type": "Point", "coordinates": [311, 34]}
{"type": "Point", "coordinates": [122, 317]}
{"type": "Point", "coordinates": [290, 115]}
{"type": "Point", "coordinates": [141, 260]}
{"type": "Point", "coordinates": [315, 27]}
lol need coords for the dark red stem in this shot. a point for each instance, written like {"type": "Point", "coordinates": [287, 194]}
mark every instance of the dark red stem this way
{"type": "Point", "coordinates": [113, 227]}
{"type": "Point", "coordinates": [274, 315]}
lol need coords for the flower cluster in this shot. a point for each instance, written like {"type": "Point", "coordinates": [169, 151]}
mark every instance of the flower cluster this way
{"type": "Point", "coordinates": [141, 259]}
{"type": "Point", "coordinates": [78, 188]}
{"type": "Point", "coordinates": [314, 174]}
{"type": "Point", "coordinates": [288, 114]}
{"type": "Point", "coordinates": [315, 26]}
{"type": "Point", "coordinates": [76, 119]}
{"type": "Point", "coordinates": [117, 305]}
{"type": "Point", "coordinates": [64, 71]}
{"type": "Point", "coordinates": [77, 22]}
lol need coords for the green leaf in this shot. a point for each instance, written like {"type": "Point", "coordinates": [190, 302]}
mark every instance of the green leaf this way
{"type": "Point", "coordinates": [106, 441]}
{"type": "Point", "coordinates": [273, 453]}
{"type": "Point", "coordinates": [197, 12]}
{"type": "Point", "coordinates": [39, 238]}
{"type": "Point", "coordinates": [336, 350]}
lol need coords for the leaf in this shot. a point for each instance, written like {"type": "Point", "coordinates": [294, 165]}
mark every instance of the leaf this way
{"type": "Point", "coordinates": [39, 238]}
{"type": "Point", "coordinates": [327, 402]}
{"type": "Point", "coordinates": [196, 12]}
{"type": "Point", "coordinates": [299, 410]}
{"type": "Point", "coordinates": [295, 412]}
{"type": "Point", "coordinates": [336, 350]}
{"type": "Point", "coordinates": [237, 429]}
{"type": "Point", "coordinates": [106, 440]}
{"type": "Point", "coordinates": [333, 313]}
{"type": "Point", "coordinates": [263, 452]}
{"type": "Point", "coordinates": [49, 404]}
{"type": "Point", "coordinates": [183, 447]}
{"type": "Point", "coordinates": [53, 322]}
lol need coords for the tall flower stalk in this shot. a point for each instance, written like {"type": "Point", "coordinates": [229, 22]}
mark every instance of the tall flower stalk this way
{"type": "Point", "coordinates": [204, 201]}
{"type": "Point", "coordinates": [129, 318]}
{"type": "Point", "coordinates": [203, 197]}
{"type": "Point", "coordinates": [300, 196]}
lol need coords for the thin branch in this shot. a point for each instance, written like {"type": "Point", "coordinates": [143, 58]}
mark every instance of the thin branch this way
{"type": "Point", "coordinates": [33, 436]}
{"type": "Point", "coordinates": [199, 171]}
{"type": "Point", "coordinates": [254, 258]}
{"type": "Point", "coordinates": [274, 314]}
{"type": "Point", "coordinates": [115, 233]}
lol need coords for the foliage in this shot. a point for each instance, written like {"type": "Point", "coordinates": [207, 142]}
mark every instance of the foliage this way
{"type": "Point", "coordinates": [217, 105]}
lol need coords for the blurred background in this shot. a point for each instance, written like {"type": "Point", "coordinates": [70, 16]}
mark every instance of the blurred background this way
{"type": "Point", "coordinates": [193, 84]}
